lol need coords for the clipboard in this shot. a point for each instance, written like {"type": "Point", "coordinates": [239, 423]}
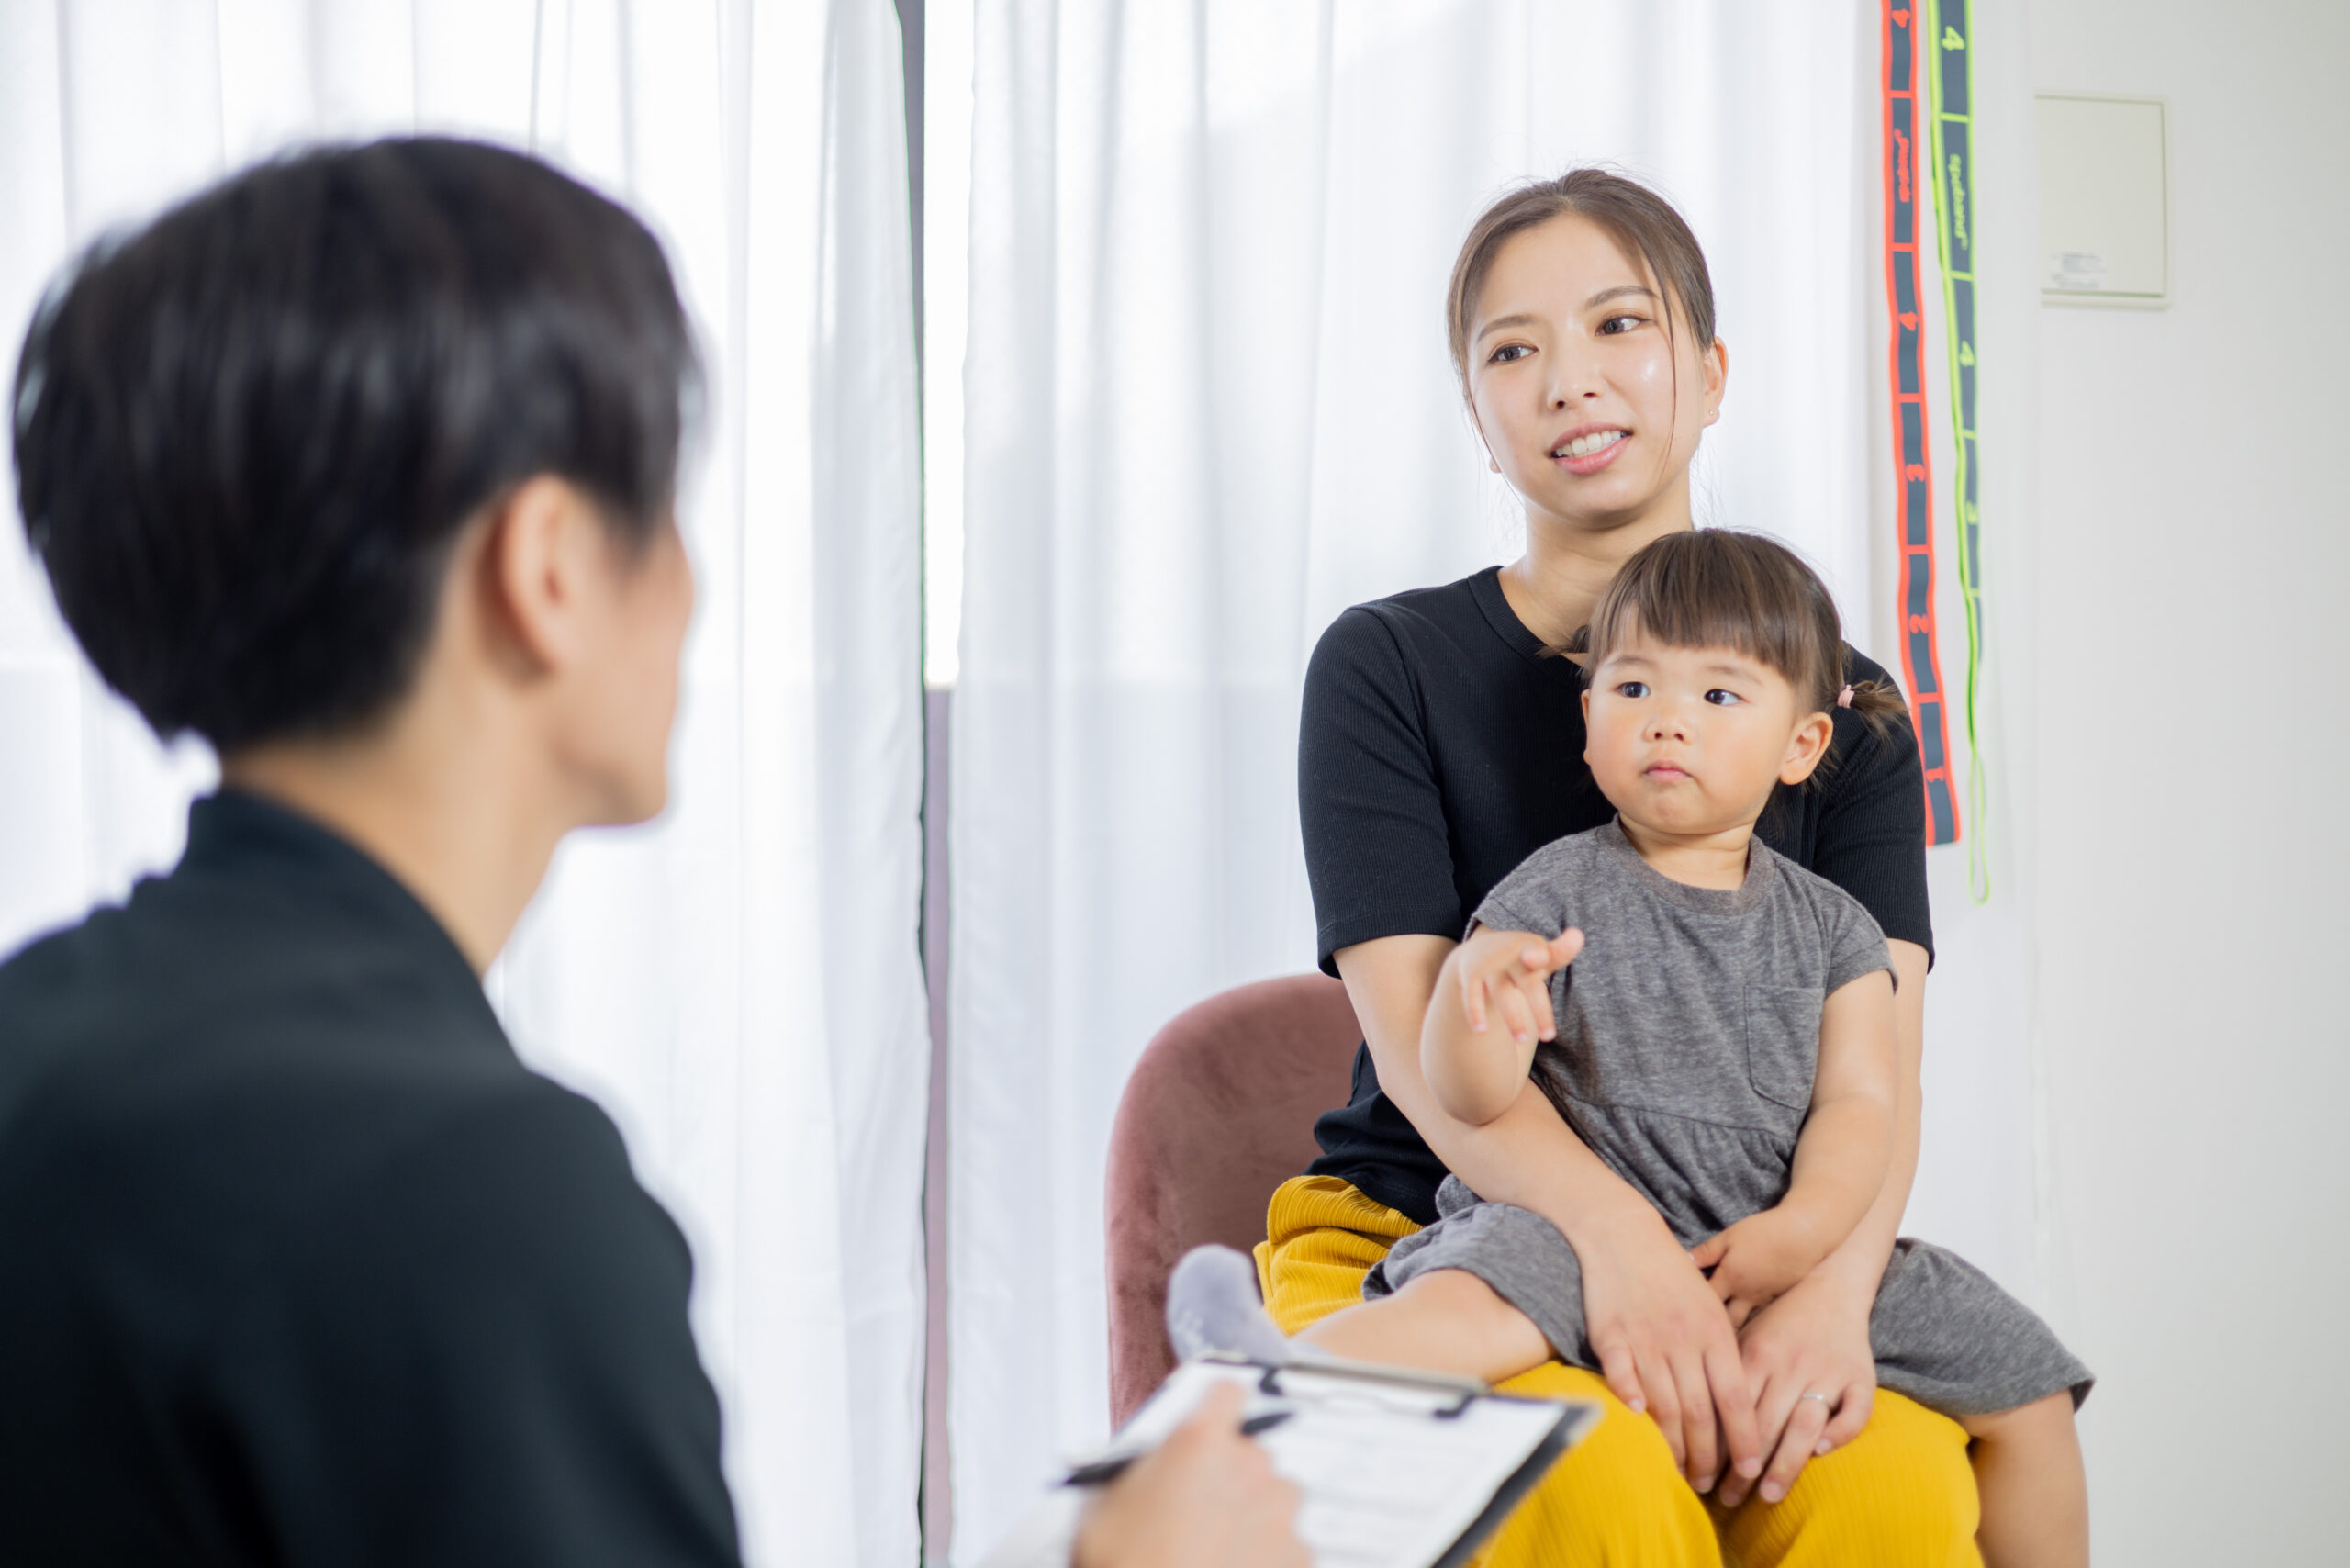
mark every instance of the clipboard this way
{"type": "Point", "coordinates": [1397, 1468]}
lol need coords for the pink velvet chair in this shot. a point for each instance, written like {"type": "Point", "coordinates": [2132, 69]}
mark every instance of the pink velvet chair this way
{"type": "Point", "coordinates": [1219, 1112]}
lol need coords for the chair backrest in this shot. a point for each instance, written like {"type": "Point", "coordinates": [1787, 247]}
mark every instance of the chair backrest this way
{"type": "Point", "coordinates": [1219, 1112]}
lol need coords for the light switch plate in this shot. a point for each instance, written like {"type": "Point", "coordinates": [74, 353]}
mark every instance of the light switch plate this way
{"type": "Point", "coordinates": [2104, 200]}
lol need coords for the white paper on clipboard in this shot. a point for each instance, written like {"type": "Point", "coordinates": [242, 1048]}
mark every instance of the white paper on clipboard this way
{"type": "Point", "coordinates": [1397, 1469]}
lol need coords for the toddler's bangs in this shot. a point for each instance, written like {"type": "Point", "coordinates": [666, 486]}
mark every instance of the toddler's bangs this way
{"type": "Point", "coordinates": [1716, 589]}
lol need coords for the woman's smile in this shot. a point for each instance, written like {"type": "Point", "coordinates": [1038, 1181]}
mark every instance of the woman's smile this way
{"type": "Point", "coordinates": [1587, 449]}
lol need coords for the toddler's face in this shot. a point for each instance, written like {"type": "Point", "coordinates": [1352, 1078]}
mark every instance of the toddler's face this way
{"type": "Point", "coordinates": [1690, 740]}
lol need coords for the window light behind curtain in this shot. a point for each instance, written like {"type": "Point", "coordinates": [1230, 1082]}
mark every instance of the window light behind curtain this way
{"type": "Point", "coordinates": [1210, 406]}
{"type": "Point", "coordinates": [738, 985]}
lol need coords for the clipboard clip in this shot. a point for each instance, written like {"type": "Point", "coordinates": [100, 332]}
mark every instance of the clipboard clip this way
{"type": "Point", "coordinates": [1465, 1391]}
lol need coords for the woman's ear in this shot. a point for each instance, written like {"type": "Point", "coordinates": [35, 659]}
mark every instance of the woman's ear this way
{"type": "Point", "coordinates": [1806, 747]}
{"type": "Point", "coordinates": [1716, 367]}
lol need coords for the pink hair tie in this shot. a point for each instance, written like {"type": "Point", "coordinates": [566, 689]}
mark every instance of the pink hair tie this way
{"type": "Point", "coordinates": [1844, 697]}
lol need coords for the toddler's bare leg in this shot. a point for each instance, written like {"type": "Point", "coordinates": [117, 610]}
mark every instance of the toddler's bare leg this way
{"type": "Point", "coordinates": [1444, 1320]}
{"type": "Point", "coordinates": [2035, 1493]}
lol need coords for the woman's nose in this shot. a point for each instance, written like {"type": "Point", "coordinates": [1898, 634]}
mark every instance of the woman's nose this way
{"type": "Point", "coordinates": [1573, 379]}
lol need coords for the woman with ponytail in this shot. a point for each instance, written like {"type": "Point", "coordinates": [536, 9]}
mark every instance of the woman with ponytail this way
{"type": "Point", "coordinates": [1441, 744]}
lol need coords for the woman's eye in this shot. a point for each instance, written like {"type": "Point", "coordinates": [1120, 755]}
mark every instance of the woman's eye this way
{"type": "Point", "coordinates": [1616, 325]}
{"type": "Point", "coordinates": [1510, 352]}
{"type": "Point", "coordinates": [1631, 688]}
{"type": "Point", "coordinates": [1721, 699]}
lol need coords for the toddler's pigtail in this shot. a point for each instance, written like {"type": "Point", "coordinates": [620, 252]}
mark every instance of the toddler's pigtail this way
{"type": "Point", "coordinates": [1880, 707]}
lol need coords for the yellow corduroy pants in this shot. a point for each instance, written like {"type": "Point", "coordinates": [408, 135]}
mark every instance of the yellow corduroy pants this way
{"type": "Point", "coordinates": [1900, 1496]}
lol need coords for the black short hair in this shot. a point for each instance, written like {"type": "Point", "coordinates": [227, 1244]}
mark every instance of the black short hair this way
{"type": "Point", "coordinates": [247, 434]}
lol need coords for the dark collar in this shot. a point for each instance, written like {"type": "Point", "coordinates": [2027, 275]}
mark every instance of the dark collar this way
{"type": "Point", "coordinates": [1485, 587]}
{"type": "Point", "coordinates": [240, 839]}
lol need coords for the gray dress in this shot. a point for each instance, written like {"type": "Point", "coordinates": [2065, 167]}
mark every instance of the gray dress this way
{"type": "Point", "coordinates": [1688, 1035]}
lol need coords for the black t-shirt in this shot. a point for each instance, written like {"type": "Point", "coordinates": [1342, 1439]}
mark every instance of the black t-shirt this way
{"type": "Point", "coordinates": [1441, 744]}
{"type": "Point", "coordinates": [299, 1264]}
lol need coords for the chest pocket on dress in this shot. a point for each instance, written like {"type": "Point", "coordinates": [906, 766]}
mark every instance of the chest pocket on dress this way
{"type": "Point", "coordinates": [1783, 1042]}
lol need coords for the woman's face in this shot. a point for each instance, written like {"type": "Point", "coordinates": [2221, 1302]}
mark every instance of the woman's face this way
{"type": "Point", "coordinates": [1589, 399]}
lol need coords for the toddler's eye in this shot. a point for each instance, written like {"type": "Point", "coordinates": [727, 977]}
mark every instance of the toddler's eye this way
{"type": "Point", "coordinates": [1721, 699]}
{"type": "Point", "coordinates": [1631, 688]}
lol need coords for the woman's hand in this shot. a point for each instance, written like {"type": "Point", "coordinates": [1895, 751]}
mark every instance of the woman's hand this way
{"type": "Point", "coordinates": [1666, 1347]}
{"type": "Point", "coordinates": [1812, 1341]}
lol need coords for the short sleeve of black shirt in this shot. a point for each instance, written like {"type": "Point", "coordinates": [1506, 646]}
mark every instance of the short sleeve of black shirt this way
{"type": "Point", "coordinates": [1440, 743]}
{"type": "Point", "coordinates": [1365, 768]}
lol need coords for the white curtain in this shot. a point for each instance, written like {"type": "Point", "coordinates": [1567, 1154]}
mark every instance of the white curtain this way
{"type": "Point", "coordinates": [1209, 406]}
{"type": "Point", "coordinates": [739, 985]}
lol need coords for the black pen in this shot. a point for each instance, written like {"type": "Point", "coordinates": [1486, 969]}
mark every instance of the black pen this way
{"type": "Point", "coordinates": [1104, 1470]}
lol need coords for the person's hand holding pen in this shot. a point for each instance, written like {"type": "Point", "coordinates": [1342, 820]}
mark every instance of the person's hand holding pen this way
{"type": "Point", "coordinates": [1206, 1497]}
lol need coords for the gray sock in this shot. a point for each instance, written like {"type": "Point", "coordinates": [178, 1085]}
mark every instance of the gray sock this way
{"type": "Point", "coordinates": [1212, 1305]}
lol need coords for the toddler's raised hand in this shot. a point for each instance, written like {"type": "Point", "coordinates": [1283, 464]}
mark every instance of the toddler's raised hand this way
{"type": "Point", "coordinates": [1495, 977]}
{"type": "Point", "coordinates": [1507, 975]}
{"type": "Point", "coordinates": [1759, 1260]}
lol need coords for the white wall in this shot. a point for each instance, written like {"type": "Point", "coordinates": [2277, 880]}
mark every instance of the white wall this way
{"type": "Point", "coordinates": [2187, 856]}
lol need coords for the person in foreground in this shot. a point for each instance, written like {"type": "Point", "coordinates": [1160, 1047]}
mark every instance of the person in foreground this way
{"type": "Point", "coordinates": [1439, 744]}
{"type": "Point", "coordinates": [361, 465]}
{"type": "Point", "coordinates": [1723, 1040]}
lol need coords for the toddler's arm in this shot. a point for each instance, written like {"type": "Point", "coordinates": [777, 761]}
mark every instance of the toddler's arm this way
{"type": "Point", "coordinates": [1840, 1161]}
{"type": "Point", "coordinates": [1492, 1003]}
